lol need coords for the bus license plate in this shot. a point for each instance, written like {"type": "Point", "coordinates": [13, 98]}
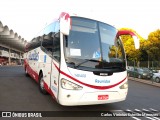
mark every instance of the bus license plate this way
{"type": "Point", "coordinates": [103, 97]}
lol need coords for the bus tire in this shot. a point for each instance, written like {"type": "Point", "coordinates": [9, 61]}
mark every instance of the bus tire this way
{"type": "Point", "coordinates": [26, 72]}
{"type": "Point", "coordinates": [41, 85]}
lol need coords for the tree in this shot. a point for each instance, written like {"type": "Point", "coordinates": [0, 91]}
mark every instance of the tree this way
{"type": "Point", "coordinates": [153, 45]}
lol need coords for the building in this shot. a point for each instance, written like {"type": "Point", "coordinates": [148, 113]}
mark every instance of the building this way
{"type": "Point", "coordinates": [12, 46]}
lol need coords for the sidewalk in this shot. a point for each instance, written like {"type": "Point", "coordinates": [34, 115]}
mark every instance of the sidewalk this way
{"type": "Point", "coordinates": [149, 82]}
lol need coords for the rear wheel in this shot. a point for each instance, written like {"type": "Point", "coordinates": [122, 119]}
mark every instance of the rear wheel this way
{"type": "Point", "coordinates": [41, 84]}
{"type": "Point", "coordinates": [157, 80]}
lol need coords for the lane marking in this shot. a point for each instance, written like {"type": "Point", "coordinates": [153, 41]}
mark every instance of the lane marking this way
{"type": "Point", "coordinates": [150, 118]}
{"type": "Point", "coordinates": [130, 111]}
{"type": "Point", "coordinates": [146, 110]}
{"type": "Point", "coordinates": [136, 118]}
{"type": "Point", "coordinates": [156, 118]}
{"type": "Point", "coordinates": [154, 110]}
{"type": "Point", "coordinates": [137, 110]}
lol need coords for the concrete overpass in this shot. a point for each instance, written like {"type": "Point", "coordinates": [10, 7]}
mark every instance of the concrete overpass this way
{"type": "Point", "coordinates": [12, 43]}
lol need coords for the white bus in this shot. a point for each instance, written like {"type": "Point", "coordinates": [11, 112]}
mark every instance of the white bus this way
{"type": "Point", "coordinates": [79, 61]}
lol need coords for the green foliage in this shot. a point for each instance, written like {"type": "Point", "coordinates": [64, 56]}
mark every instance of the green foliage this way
{"type": "Point", "coordinates": [152, 46]}
{"type": "Point", "coordinates": [149, 49]}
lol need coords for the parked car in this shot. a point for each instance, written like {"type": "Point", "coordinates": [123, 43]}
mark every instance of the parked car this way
{"type": "Point", "coordinates": [153, 70]}
{"type": "Point", "coordinates": [149, 71]}
{"type": "Point", "coordinates": [130, 67]}
{"type": "Point", "coordinates": [139, 73]}
{"type": "Point", "coordinates": [156, 77]}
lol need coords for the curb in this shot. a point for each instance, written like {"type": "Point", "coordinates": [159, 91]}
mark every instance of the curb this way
{"type": "Point", "coordinates": [149, 82]}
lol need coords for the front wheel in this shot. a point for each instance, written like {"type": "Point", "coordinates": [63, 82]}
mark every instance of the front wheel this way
{"type": "Point", "coordinates": [26, 72]}
{"type": "Point", "coordinates": [41, 85]}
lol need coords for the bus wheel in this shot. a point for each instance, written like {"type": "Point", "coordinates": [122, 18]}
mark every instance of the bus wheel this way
{"type": "Point", "coordinates": [26, 72]}
{"type": "Point", "coordinates": [41, 85]}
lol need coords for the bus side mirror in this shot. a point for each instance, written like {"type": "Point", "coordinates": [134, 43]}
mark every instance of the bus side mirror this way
{"type": "Point", "coordinates": [136, 42]}
{"type": "Point", "coordinates": [134, 36]}
{"type": "Point", "coordinates": [65, 23]}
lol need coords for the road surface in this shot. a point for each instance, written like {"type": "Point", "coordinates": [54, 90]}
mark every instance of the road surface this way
{"type": "Point", "coordinates": [21, 93]}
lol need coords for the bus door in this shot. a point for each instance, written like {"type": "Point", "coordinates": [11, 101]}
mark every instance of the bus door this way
{"type": "Point", "coordinates": [35, 55]}
{"type": "Point", "coordinates": [55, 64]}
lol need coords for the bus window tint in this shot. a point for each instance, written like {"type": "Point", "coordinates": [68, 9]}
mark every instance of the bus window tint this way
{"type": "Point", "coordinates": [47, 43]}
{"type": "Point", "coordinates": [93, 40]}
{"type": "Point", "coordinates": [83, 33]}
{"type": "Point", "coordinates": [56, 46]}
{"type": "Point", "coordinates": [53, 27]}
{"type": "Point", "coordinates": [51, 45]}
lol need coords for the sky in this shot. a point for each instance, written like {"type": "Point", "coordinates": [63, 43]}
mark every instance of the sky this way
{"type": "Point", "coordinates": [28, 17]}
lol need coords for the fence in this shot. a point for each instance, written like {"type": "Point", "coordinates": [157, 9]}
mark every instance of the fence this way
{"type": "Point", "coordinates": [152, 65]}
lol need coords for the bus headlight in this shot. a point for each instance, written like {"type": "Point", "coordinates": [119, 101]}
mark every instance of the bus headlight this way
{"type": "Point", "coordinates": [69, 85]}
{"type": "Point", "coordinates": [124, 86]}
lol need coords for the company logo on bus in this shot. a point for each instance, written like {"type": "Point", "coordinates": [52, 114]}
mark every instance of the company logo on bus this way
{"type": "Point", "coordinates": [102, 81]}
{"type": "Point", "coordinates": [34, 56]}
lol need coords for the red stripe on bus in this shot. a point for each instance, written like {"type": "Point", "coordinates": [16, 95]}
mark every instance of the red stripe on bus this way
{"type": "Point", "coordinates": [48, 89]}
{"type": "Point", "coordinates": [88, 85]}
{"type": "Point", "coordinates": [65, 15]}
{"type": "Point", "coordinates": [31, 72]}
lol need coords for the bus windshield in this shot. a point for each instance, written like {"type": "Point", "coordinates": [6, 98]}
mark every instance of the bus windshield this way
{"type": "Point", "coordinates": [93, 45]}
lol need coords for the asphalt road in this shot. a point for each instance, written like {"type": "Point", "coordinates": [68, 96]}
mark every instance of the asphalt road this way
{"type": "Point", "coordinates": [21, 93]}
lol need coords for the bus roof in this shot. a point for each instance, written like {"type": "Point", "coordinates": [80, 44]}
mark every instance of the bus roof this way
{"type": "Point", "coordinates": [88, 17]}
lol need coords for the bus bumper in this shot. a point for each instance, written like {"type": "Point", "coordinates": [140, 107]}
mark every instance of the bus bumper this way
{"type": "Point", "coordinates": [92, 98]}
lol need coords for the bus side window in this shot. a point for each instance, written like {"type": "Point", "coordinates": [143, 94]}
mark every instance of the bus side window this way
{"type": "Point", "coordinates": [47, 43]}
{"type": "Point", "coordinates": [56, 46]}
{"type": "Point", "coordinates": [53, 27]}
{"type": "Point", "coordinates": [32, 45]}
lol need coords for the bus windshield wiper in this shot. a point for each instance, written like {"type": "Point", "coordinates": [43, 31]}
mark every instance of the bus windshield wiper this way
{"type": "Point", "coordinates": [114, 67]}
{"type": "Point", "coordinates": [86, 60]}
